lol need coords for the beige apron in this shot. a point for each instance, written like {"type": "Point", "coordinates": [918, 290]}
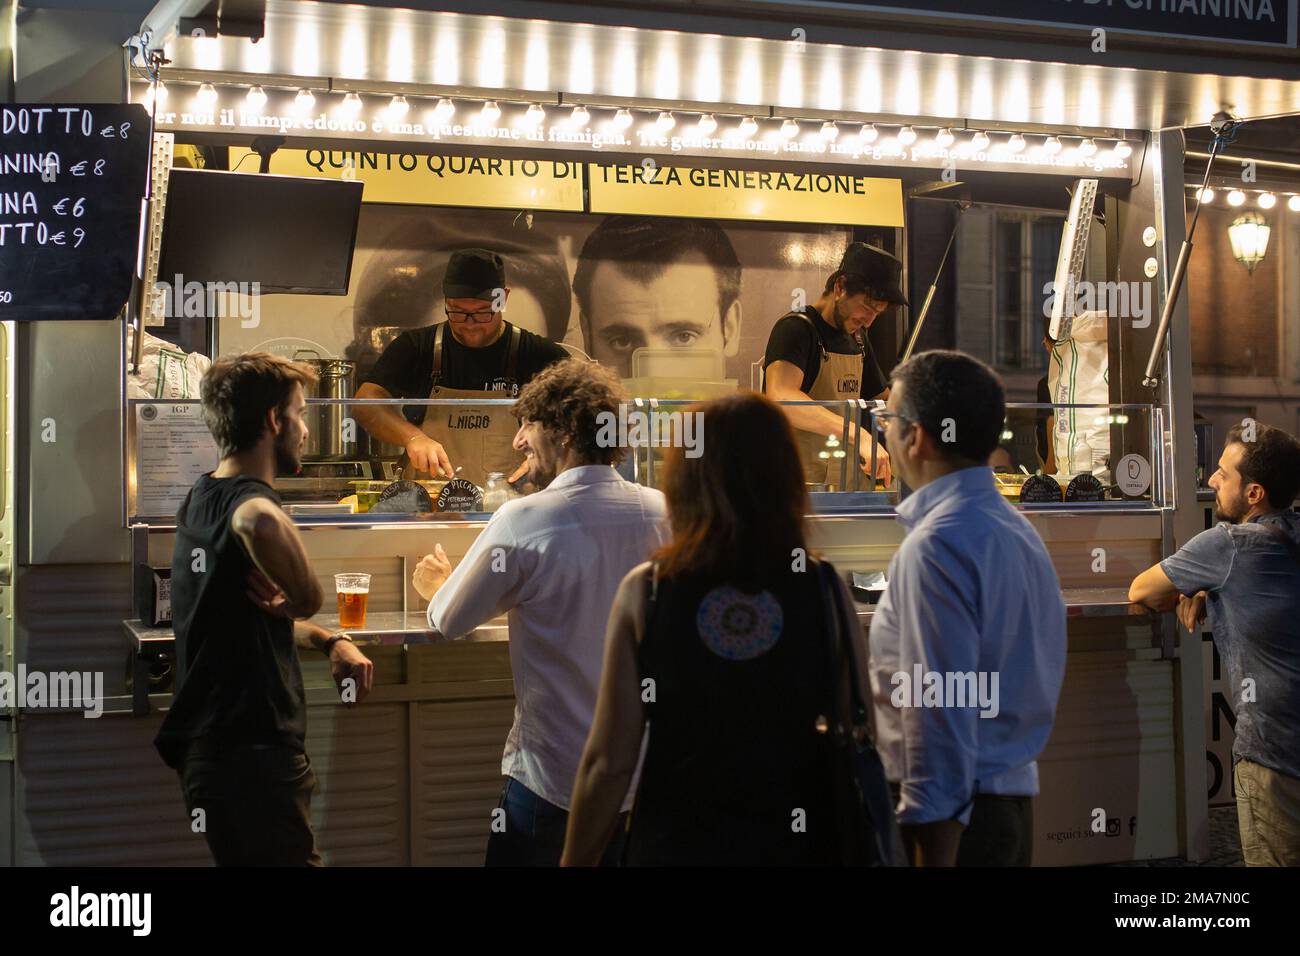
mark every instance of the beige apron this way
{"type": "Point", "coordinates": [478, 438]}
{"type": "Point", "coordinates": [839, 379]}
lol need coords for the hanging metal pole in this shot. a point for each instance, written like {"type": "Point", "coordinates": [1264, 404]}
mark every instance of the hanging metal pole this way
{"type": "Point", "coordinates": [1224, 132]}
{"type": "Point", "coordinates": [929, 296]}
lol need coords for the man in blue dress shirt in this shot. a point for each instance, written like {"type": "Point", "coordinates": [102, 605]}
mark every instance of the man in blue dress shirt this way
{"type": "Point", "coordinates": [968, 644]}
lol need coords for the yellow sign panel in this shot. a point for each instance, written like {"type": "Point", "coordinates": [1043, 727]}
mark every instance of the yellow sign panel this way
{"type": "Point", "coordinates": [435, 180]}
{"type": "Point", "coordinates": [793, 196]}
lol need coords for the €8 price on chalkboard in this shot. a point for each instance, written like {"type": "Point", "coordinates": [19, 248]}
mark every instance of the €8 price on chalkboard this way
{"type": "Point", "coordinates": [71, 183]}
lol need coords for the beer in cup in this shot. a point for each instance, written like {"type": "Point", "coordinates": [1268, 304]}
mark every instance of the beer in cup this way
{"type": "Point", "coordinates": [352, 591]}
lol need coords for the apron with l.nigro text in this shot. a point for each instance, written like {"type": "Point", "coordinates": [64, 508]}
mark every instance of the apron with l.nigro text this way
{"type": "Point", "coordinates": [838, 379]}
{"type": "Point", "coordinates": [477, 438]}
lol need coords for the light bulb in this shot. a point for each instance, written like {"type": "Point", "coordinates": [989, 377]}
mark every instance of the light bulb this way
{"type": "Point", "coordinates": [944, 137]}
{"type": "Point", "coordinates": [748, 126]}
{"type": "Point", "coordinates": [1052, 144]}
{"type": "Point", "coordinates": [707, 124]}
{"type": "Point", "coordinates": [207, 94]}
{"type": "Point", "coordinates": [1236, 197]}
{"type": "Point", "coordinates": [789, 129]}
{"type": "Point", "coordinates": [1267, 200]}
{"type": "Point", "coordinates": [906, 136]}
{"type": "Point", "coordinates": [255, 98]}
{"type": "Point", "coordinates": [623, 118]}
{"type": "Point", "coordinates": [1087, 147]}
{"type": "Point", "coordinates": [868, 133]}
{"type": "Point", "coordinates": [980, 140]}
{"type": "Point", "coordinates": [535, 115]}
{"type": "Point", "coordinates": [1016, 143]}
{"type": "Point", "coordinates": [351, 104]}
{"type": "Point", "coordinates": [1293, 204]}
{"type": "Point", "coordinates": [830, 132]}
{"type": "Point", "coordinates": [1206, 195]}
{"type": "Point", "coordinates": [1123, 150]}
{"type": "Point", "coordinates": [580, 117]}
{"type": "Point", "coordinates": [305, 99]}
{"type": "Point", "coordinates": [444, 110]}
{"type": "Point", "coordinates": [665, 121]}
{"type": "Point", "coordinates": [490, 112]}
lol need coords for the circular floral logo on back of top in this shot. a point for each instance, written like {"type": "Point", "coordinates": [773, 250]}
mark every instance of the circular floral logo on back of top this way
{"type": "Point", "coordinates": [738, 626]}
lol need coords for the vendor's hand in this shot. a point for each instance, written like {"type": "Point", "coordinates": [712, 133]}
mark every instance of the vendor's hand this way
{"type": "Point", "coordinates": [431, 573]}
{"type": "Point", "coordinates": [1191, 610]}
{"type": "Point", "coordinates": [425, 454]}
{"type": "Point", "coordinates": [267, 595]}
{"type": "Point", "coordinates": [347, 661]}
{"type": "Point", "coordinates": [883, 470]}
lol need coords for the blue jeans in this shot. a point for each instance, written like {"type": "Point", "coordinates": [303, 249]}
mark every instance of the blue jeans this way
{"type": "Point", "coordinates": [534, 831]}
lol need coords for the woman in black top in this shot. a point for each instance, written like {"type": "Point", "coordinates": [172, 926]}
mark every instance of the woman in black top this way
{"type": "Point", "coordinates": [720, 646]}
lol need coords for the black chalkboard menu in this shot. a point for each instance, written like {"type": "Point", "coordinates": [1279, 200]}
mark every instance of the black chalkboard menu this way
{"type": "Point", "coordinates": [71, 181]}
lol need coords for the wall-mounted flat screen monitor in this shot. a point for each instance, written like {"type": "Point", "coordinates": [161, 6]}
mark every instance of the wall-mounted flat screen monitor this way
{"type": "Point", "coordinates": [286, 233]}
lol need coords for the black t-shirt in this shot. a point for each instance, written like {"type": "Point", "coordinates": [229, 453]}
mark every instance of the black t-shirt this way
{"type": "Point", "coordinates": [237, 675]}
{"type": "Point", "coordinates": [405, 369]}
{"type": "Point", "coordinates": [795, 341]}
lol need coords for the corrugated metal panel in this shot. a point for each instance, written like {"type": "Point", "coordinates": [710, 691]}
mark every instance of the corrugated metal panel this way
{"type": "Point", "coordinates": [71, 619]}
{"type": "Point", "coordinates": [974, 283]}
{"type": "Point", "coordinates": [456, 778]}
{"type": "Point", "coordinates": [1112, 748]}
{"type": "Point", "coordinates": [95, 793]}
{"type": "Point", "coordinates": [362, 798]}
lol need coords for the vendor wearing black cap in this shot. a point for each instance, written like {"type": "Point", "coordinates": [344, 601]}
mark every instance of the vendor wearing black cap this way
{"type": "Point", "coordinates": [823, 354]}
{"type": "Point", "coordinates": [475, 354]}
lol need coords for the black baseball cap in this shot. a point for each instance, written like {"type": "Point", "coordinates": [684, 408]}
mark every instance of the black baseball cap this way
{"type": "Point", "coordinates": [881, 272]}
{"type": "Point", "coordinates": [473, 274]}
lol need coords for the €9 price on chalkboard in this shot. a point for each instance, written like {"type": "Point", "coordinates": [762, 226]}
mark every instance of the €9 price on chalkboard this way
{"type": "Point", "coordinates": [71, 182]}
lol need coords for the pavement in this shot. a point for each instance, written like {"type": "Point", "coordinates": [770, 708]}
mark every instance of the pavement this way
{"type": "Point", "coordinates": [1225, 843]}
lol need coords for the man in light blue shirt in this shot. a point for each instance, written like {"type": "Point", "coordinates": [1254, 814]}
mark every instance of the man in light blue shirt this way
{"type": "Point", "coordinates": [968, 644]}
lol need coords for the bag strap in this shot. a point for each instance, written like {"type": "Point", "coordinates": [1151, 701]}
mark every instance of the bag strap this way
{"type": "Point", "coordinates": [842, 653]}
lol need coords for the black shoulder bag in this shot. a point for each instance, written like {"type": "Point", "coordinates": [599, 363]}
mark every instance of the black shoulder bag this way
{"type": "Point", "coordinates": [868, 829]}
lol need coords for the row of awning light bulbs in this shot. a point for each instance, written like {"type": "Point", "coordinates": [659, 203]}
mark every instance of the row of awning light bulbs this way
{"type": "Point", "coordinates": [1237, 197]}
{"type": "Point", "coordinates": [706, 124]}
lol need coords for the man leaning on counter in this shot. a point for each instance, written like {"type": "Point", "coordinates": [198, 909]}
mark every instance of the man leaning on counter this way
{"type": "Point", "coordinates": [475, 354]}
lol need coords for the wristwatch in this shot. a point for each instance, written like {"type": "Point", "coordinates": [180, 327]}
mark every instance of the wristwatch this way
{"type": "Point", "coordinates": [328, 646]}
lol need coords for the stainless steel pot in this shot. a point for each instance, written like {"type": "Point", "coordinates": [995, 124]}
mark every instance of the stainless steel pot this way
{"type": "Point", "coordinates": [325, 423]}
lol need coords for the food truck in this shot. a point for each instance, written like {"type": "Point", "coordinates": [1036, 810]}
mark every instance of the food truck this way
{"type": "Point", "coordinates": [311, 167]}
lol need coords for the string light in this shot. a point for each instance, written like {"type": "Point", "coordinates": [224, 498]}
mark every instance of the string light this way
{"type": "Point", "coordinates": [305, 99]}
{"type": "Point", "coordinates": [580, 117]}
{"type": "Point", "coordinates": [255, 98]}
{"type": "Point", "coordinates": [748, 126]}
{"type": "Point", "coordinates": [1267, 200]}
{"type": "Point", "coordinates": [1016, 143]}
{"type": "Point", "coordinates": [1052, 144]}
{"type": "Point", "coordinates": [1123, 150]}
{"type": "Point", "coordinates": [906, 136]}
{"type": "Point", "coordinates": [1087, 147]}
{"type": "Point", "coordinates": [207, 94]}
{"type": "Point", "coordinates": [980, 140]}
{"type": "Point", "coordinates": [830, 131]}
{"type": "Point", "coordinates": [1236, 197]}
{"type": "Point", "coordinates": [1206, 196]}
{"type": "Point", "coordinates": [623, 118]}
{"type": "Point", "coordinates": [944, 137]}
{"type": "Point", "coordinates": [1293, 204]}
{"type": "Point", "coordinates": [790, 129]}
{"type": "Point", "coordinates": [665, 121]}
{"type": "Point", "coordinates": [707, 124]}
{"type": "Point", "coordinates": [351, 104]}
{"type": "Point", "coordinates": [868, 134]}
{"type": "Point", "coordinates": [444, 110]}
{"type": "Point", "coordinates": [490, 112]}
{"type": "Point", "coordinates": [535, 115]}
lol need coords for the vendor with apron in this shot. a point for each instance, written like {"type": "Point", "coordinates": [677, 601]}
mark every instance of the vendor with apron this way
{"type": "Point", "coordinates": [476, 354]}
{"type": "Point", "coordinates": [823, 354]}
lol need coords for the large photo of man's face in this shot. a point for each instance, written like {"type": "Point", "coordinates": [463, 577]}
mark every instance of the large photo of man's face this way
{"type": "Point", "coordinates": [643, 282]}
